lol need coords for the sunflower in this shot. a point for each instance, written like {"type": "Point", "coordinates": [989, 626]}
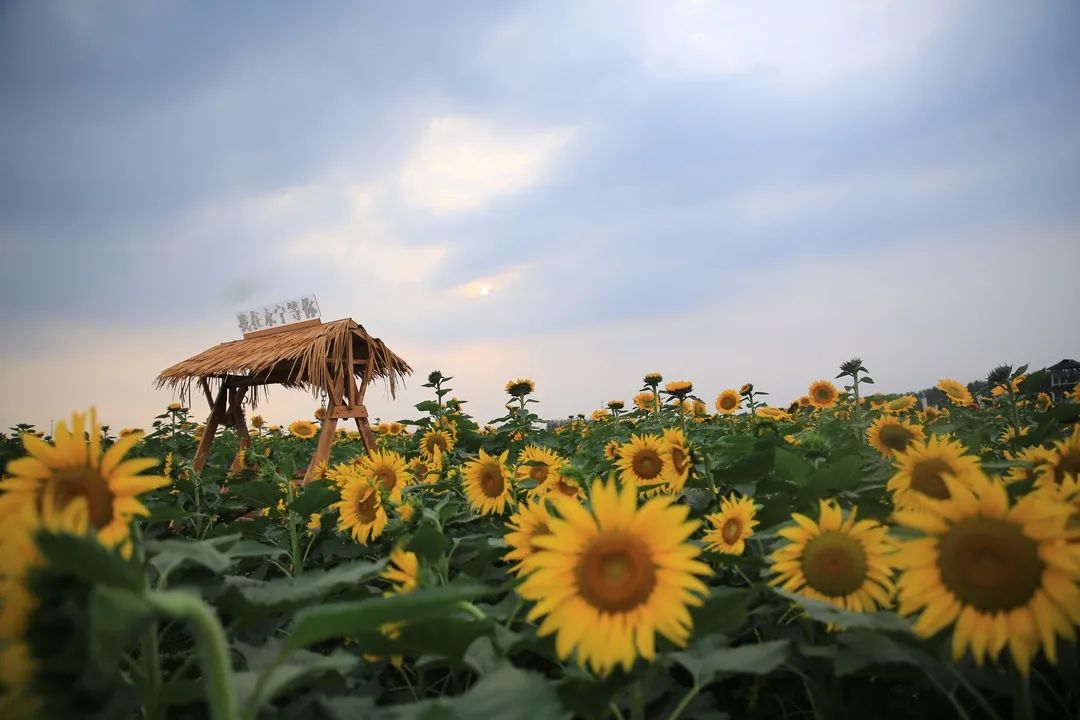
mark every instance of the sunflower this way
{"type": "Point", "coordinates": [1000, 574]}
{"type": "Point", "coordinates": [930, 414]}
{"type": "Point", "coordinates": [822, 394]}
{"type": "Point", "coordinates": [320, 413]}
{"type": "Point", "coordinates": [599, 415]}
{"type": "Point", "coordinates": [606, 580]}
{"type": "Point", "coordinates": [889, 435]}
{"type": "Point", "coordinates": [1001, 390]}
{"type": "Point", "coordinates": [645, 400]}
{"type": "Point", "coordinates": [1043, 401]}
{"type": "Point", "coordinates": [611, 450]}
{"type": "Point", "coordinates": [900, 404]}
{"type": "Point", "coordinates": [615, 404]}
{"type": "Point", "coordinates": [1066, 461]}
{"type": "Point", "coordinates": [803, 401]}
{"type": "Point", "coordinates": [257, 421]}
{"type": "Point", "coordinates": [303, 429]}
{"type": "Point", "coordinates": [74, 466]}
{"type": "Point", "coordinates": [957, 393]}
{"type": "Point", "coordinates": [727, 402]}
{"type": "Point", "coordinates": [487, 483]}
{"type": "Point", "coordinates": [921, 470]}
{"type": "Point", "coordinates": [427, 470]}
{"type": "Point", "coordinates": [394, 428]}
{"type": "Point", "coordinates": [19, 557]}
{"type": "Point", "coordinates": [433, 439]}
{"type": "Point", "coordinates": [520, 387]}
{"type": "Point", "coordinates": [403, 571]}
{"type": "Point", "coordinates": [835, 560]}
{"type": "Point", "coordinates": [385, 469]}
{"type": "Point", "coordinates": [405, 512]}
{"type": "Point", "coordinates": [561, 485]}
{"type": "Point", "coordinates": [678, 459]}
{"type": "Point", "coordinates": [1009, 434]}
{"type": "Point", "coordinates": [731, 526]}
{"type": "Point", "coordinates": [1075, 394]}
{"type": "Point", "coordinates": [536, 463]}
{"type": "Point", "coordinates": [774, 414]}
{"type": "Point", "coordinates": [529, 522]}
{"type": "Point", "coordinates": [361, 511]}
{"type": "Point", "coordinates": [679, 388]}
{"type": "Point", "coordinates": [653, 379]}
{"type": "Point", "coordinates": [1036, 461]}
{"type": "Point", "coordinates": [642, 460]}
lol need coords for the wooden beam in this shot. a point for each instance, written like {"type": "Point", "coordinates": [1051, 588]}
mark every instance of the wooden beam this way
{"type": "Point", "coordinates": [217, 414]}
{"type": "Point", "coordinates": [345, 411]}
{"type": "Point", "coordinates": [326, 439]}
{"type": "Point", "coordinates": [239, 424]}
{"type": "Point", "coordinates": [282, 328]}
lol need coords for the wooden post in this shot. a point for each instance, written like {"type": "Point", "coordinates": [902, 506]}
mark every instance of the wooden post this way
{"type": "Point", "coordinates": [217, 414]}
{"type": "Point", "coordinates": [239, 424]}
{"type": "Point", "coordinates": [363, 424]}
{"type": "Point", "coordinates": [326, 435]}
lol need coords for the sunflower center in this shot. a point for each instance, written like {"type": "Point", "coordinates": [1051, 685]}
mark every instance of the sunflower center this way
{"type": "Point", "coordinates": [822, 395]}
{"type": "Point", "coordinates": [387, 477]}
{"type": "Point", "coordinates": [566, 488]}
{"type": "Point", "coordinates": [728, 402]}
{"type": "Point", "coordinates": [616, 572]}
{"type": "Point", "coordinates": [895, 437]}
{"type": "Point", "coordinates": [538, 473]}
{"type": "Point", "coordinates": [365, 508]}
{"type": "Point", "coordinates": [491, 481]}
{"type": "Point", "coordinates": [540, 530]}
{"type": "Point", "coordinates": [834, 564]}
{"type": "Point", "coordinates": [1069, 464]}
{"type": "Point", "coordinates": [87, 483]}
{"type": "Point", "coordinates": [990, 564]}
{"type": "Point", "coordinates": [678, 459]}
{"type": "Point", "coordinates": [926, 478]}
{"type": "Point", "coordinates": [731, 531]}
{"type": "Point", "coordinates": [647, 464]}
{"type": "Point", "coordinates": [436, 441]}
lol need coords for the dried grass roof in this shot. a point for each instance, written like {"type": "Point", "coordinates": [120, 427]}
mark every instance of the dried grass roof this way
{"type": "Point", "coordinates": [308, 357]}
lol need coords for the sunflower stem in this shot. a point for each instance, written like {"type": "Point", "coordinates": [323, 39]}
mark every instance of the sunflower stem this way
{"type": "Point", "coordinates": [472, 610]}
{"type": "Point", "coordinates": [294, 537]}
{"type": "Point", "coordinates": [152, 661]}
{"type": "Point", "coordinates": [211, 643]}
{"type": "Point", "coordinates": [637, 702]}
{"type": "Point", "coordinates": [1022, 707]}
{"type": "Point", "coordinates": [690, 695]}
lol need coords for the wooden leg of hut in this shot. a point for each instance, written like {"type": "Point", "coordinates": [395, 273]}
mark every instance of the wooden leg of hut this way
{"type": "Point", "coordinates": [239, 423]}
{"type": "Point", "coordinates": [217, 414]}
{"type": "Point", "coordinates": [366, 434]}
{"type": "Point", "coordinates": [356, 396]}
{"type": "Point", "coordinates": [326, 438]}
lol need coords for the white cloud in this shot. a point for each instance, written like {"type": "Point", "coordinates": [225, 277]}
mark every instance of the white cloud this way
{"type": "Point", "coordinates": [797, 46]}
{"type": "Point", "coordinates": [461, 163]}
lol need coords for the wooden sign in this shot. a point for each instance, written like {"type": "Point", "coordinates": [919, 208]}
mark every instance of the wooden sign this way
{"type": "Point", "coordinates": [288, 312]}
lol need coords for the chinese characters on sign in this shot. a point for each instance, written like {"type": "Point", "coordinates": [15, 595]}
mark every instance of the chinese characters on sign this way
{"type": "Point", "coordinates": [278, 314]}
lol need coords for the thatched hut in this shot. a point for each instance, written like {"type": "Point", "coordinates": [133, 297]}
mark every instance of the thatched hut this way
{"type": "Point", "coordinates": [312, 355]}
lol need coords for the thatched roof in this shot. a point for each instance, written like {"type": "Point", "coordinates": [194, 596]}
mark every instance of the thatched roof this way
{"type": "Point", "coordinates": [307, 357]}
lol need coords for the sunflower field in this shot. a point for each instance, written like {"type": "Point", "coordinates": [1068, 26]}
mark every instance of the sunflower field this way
{"type": "Point", "coordinates": [847, 554]}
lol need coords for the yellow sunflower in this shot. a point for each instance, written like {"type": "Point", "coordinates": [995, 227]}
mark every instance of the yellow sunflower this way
{"type": "Point", "coordinates": [803, 401]}
{"type": "Point", "coordinates": [320, 413]}
{"type": "Point", "coordinates": [900, 404]}
{"type": "Point", "coordinates": [728, 402]}
{"type": "Point", "coordinates": [653, 378]}
{"type": "Point", "coordinates": [257, 421]}
{"type": "Point", "coordinates": [434, 438]}
{"type": "Point", "coordinates": [774, 414]}
{"type": "Point", "coordinates": [537, 463]}
{"type": "Point", "coordinates": [487, 483]}
{"type": "Point", "coordinates": [599, 415]}
{"type": "Point", "coordinates": [1009, 434]}
{"type": "Point", "coordinates": [74, 466]}
{"type": "Point", "coordinates": [677, 457]}
{"type": "Point", "coordinates": [561, 485]}
{"type": "Point", "coordinates": [1075, 394]}
{"type": "Point", "coordinates": [615, 404]}
{"type": "Point", "coordinates": [56, 512]}
{"type": "Point", "coordinates": [606, 580]}
{"type": "Point", "coordinates": [921, 470]}
{"type": "Point", "coordinates": [890, 435]}
{"type": "Point", "coordinates": [1000, 574]}
{"type": "Point", "coordinates": [679, 388]}
{"type": "Point", "coordinates": [361, 512]}
{"type": "Point", "coordinates": [611, 450]}
{"type": "Point", "coordinates": [1066, 461]}
{"type": "Point", "coordinates": [1001, 390]}
{"type": "Point", "coordinates": [645, 400]}
{"type": "Point", "coordinates": [1036, 460]}
{"type": "Point", "coordinates": [1043, 401]}
{"type": "Point", "coordinates": [386, 470]}
{"type": "Point", "coordinates": [520, 387]}
{"type": "Point", "coordinates": [303, 429]}
{"type": "Point", "coordinates": [836, 560]}
{"type": "Point", "coordinates": [403, 571]}
{"type": "Point", "coordinates": [427, 469]}
{"type": "Point", "coordinates": [822, 394]}
{"type": "Point", "coordinates": [529, 522]}
{"type": "Point", "coordinates": [957, 393]}
{"type": "Point", "coordinates": [930, 414]}
{"type": "Point", "coordinates": [643, 461]}
{"type": "Point", "coordinates": [731, 526]}
{"type": "Point", "coordinates": [394, 428]}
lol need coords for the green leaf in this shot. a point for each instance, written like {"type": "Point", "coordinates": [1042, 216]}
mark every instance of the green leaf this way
{"type": "Point", "coordinates": [867, 380]}
{"type": "Point", "coordinates": [859, 649]}
{"type": "Point", "coordinates": [301, 668]}
{"type": "Point", "coordinates": [506, 693]}
{"type": "Point", "coordinates": [312, 586]}
{"type": "Point", "coordinates": [428, 406]}
{"type": "Point", "coordinates": [251, 548]}
{"type": "Point", "coordinates": [428, 542]}
{"type": "Point", "coordinates": [827, 613]}
{"type": "Point", "coordinates": [342, 619]}
{"type": "Point", "coordinates": [314, 497]}
{"type": "Point", "coordinates": [116, 616]}
{"type": "Point", "coordinates": [710, 657]}
{"type": "Point", "coordinates": [84, 557]}
{"type": "Point", "coordinates": [258, 494]}
{"type": "Point", "coordinates": [171, 554]}
{"type": "Point", "coordinates": [841, 473]}
{"type": "Point", "coordinates": [724, 611]}
{"type": "Point", "coordinates": [791, 466]}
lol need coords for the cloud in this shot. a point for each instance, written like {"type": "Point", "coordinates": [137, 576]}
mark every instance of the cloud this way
{"type": "Point", "coordinates": [462, 163]}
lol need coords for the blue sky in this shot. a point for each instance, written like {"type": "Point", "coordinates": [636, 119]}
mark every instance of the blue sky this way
{"type": "Point", "coordinates": [721, 191]}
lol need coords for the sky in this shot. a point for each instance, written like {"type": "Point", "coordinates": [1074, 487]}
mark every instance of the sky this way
{"type": "Point", "coordinates": [576, 192]}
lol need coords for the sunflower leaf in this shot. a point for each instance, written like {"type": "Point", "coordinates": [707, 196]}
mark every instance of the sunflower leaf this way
{"type": "Point", "coordinates": [710, 657]}
{"type": "Point", "coordinates": [314, 497]}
